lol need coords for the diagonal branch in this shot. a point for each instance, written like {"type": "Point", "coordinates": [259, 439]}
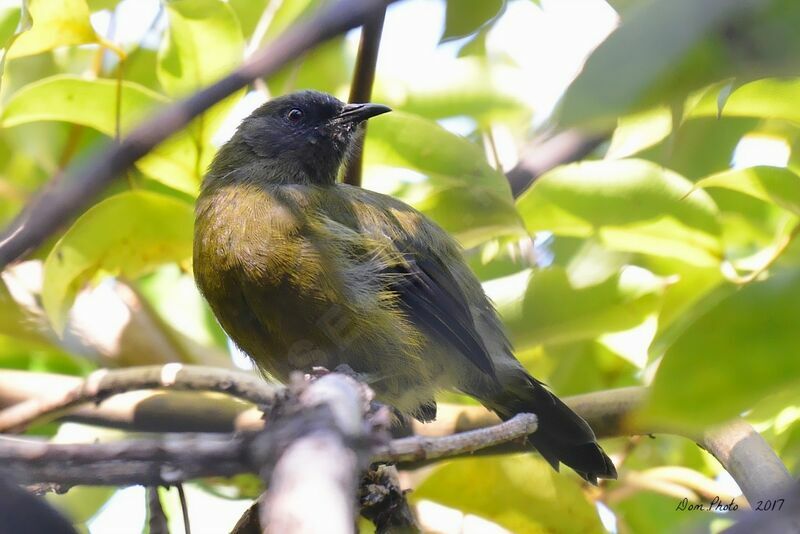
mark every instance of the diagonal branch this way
{"type": "Point", "coordinates": [73, 190]}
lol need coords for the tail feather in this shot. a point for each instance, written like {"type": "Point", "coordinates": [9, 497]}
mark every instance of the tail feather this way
{"type": "Point", "coordinates": [562, 435]}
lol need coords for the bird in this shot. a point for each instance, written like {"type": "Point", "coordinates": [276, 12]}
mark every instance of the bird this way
{"type": "Point", "coordinates": [303, 271]}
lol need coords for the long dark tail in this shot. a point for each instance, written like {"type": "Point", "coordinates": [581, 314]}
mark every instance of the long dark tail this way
{"type": "Point", "coordinates": [562, 435]}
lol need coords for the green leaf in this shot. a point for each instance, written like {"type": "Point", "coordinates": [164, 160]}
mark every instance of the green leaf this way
{"type": "Point", "coordinates": [458, 189]}
{"type": "Point", "coordinates": [249, 12]}
{"type": "Point", "coordinates": [776, 185]}
{"type": "Point", "coordinates": [127, 234]}
{"type": "Point", "coordinates": [770, 98]}
{"type": "Point", "coordinates": [555, 309]}
{"type": "Point", "coordinates": [521, 493]}
{"type": "Point", "coordinates": [465, 86]}
{"type": "Point", "coordinates": [326, 68]}
{"type": "Point", "coordinates": [287, 14]}
{"type": "Point", "coordinates": [91, 103]}
{"type": "Point", "coordinates": [639, 131]}
{"type": "Point", "coordinates": [740, 350]}
{"type": "Point", "coordinates": [701, 145]}
{"type": "Point", "coordinates": [465, 17]}
{"type": "Point", "coordinates": [54, 23]}
{"type": "Point", "coordinates": [9, 19]}
{"type": "Point", "coordinates": [629, 205]}
{"type": "Point", "coordinates": [630, 67]}
{"type": "Point", "coordinates": [204, 43]}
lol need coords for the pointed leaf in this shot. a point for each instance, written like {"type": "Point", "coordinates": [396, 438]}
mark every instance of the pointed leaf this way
{"type": "Point", "coordinates": [465, 17]}
{"type": "Point", "coordinates": [739, 351]}
{"type": "Point", "coordinates": [92, 103]}
{"type": "Point", "coordinates": [776, 185]}
{"type": "Point", "coordinates": [204, 43]}
{"type": "Point", "coordinates": [54, 23]}
{"type": "Point", "coordinates": [521, 493]}
{"type": "Point", "coordinates": [630, 205]}
{"type": "Point", "coordinates": [454, 183]}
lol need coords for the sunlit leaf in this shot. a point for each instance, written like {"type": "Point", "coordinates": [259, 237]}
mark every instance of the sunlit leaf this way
{"type": "Point", "coordinates": [629, 205]}
{"type": "Point", "coordinates": [639, 131]}
{"type": "Point", "coordinates": [455, 185]}
{"type": "Point", "coordinates": [466, 87]}
{"type": "Point", "coordinates": [740, 350]}
{"type": "Point", "coordinates": [286, 14]}
{"type": "Point", "coordinates": [464, 17]}
{"type": "Point", "coordinates": [326, 68]}
{"type": "Point", "coordinates": [777, 185]}
{"type": "Point", "coordinates": [770, 98]}
{"type": "Point", "coordinates": [92, 103]}
{"type": "Point", "coordinates": [554, 310]}
{"type": "Point", "coordinates": [77, 100]}
{"type": "Point", "coordinates": [701, 145]}
{"type": "Point", "coordinates": [249, 12]}
{"type": "Point", "coordinates": [521, 493]}
{"type": "Point", "coordinates": [54, 23]}
{"type": "Point", "coordinates": [127, 234]}
{"type": "Point", "coordinates": [204, 43]}
{"type": "Point", "coordinates": [9, 18]}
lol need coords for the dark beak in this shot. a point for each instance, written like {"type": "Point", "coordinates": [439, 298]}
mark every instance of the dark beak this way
{"type": "Point", "coordinates": [356, 113]}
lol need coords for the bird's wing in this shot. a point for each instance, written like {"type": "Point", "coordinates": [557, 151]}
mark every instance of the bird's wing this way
{"type": "Point", "coordinates": [426, 289]}
{"type": "Point", "coordinates": [432, 299]}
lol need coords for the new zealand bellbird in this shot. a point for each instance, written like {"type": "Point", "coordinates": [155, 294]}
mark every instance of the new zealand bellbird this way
{"type": "Point", "coordinates": [302, 271]}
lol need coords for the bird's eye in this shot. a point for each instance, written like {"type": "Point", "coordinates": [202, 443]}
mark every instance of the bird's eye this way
{"type": "Point", "coordinates": [295, 115]}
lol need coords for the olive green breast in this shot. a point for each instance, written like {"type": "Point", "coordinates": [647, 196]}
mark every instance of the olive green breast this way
{"type": "Point", "coordinates": [296, 282]}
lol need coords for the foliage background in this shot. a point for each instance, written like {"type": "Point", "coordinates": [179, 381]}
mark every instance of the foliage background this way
{"type": "Point", "coordinates": [667, 257]}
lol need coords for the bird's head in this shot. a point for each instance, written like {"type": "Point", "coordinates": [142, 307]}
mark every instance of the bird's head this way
{"type": "Point", "coordinates": [302, 137]}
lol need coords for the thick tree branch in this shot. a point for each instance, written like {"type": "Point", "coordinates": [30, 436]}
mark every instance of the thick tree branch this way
{"type": "Point", "coordinates": [321, 464]}
{"type": "Point", "coordinates": [72, 191]}
{"type": "Point", "coordinates": [171, 459]}
{"type": "Point", "coordinates": [361, 87]}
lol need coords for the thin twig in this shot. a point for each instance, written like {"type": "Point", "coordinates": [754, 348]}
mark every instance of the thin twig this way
{"type": "Point", "coordinates": [361, 87]}
{"type": "Point", "coordinates": [104, 383]}
{"type": "Point", "coordinates": [420, 448]}
{"type": "Point", "coordinates": [80, 184]}
{"type": "Point", "coordinates": [187, 529]}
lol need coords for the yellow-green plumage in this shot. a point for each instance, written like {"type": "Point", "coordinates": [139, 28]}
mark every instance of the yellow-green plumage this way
{"type": "Point", "coordinates": [303, 272]}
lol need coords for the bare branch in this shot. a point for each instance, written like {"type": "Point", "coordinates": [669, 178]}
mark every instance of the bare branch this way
{"type": "Point", "coordinates": [172, 459]}
{"type": "Point", "coordinates": [104, 383]}
{"type": "Point", "coordinates": [417, 448]}
{"type": "Point", "coordinates": [361, 87]}
{"type": "Point", "coordinates": [738, 447]}
{"type": "Point", "coordinates": [321, 465]}
{"type": "Point", "coordinates": [70, 192]}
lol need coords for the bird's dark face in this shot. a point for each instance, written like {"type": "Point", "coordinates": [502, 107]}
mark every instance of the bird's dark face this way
{"type": "Point", "coordinates": [308, 134]}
